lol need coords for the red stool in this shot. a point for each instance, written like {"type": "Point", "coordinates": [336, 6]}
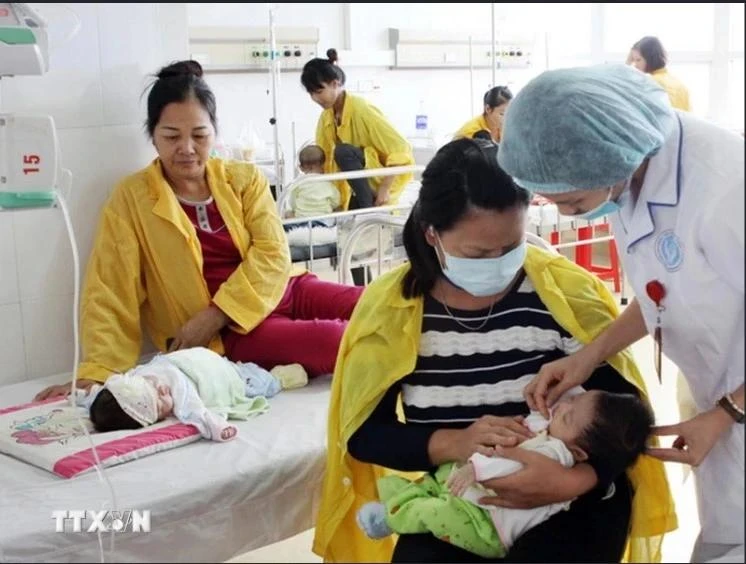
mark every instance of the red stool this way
{"type": "Point", "coordinates": [583, 252]}
{"type": "Point", "coordinates": [583, 256]}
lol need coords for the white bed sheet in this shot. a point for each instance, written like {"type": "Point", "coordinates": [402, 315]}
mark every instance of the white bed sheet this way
{"type": "Point", "coordinates": [208, 501]}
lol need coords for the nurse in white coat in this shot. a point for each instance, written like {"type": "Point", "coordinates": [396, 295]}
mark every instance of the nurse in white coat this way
{"type": "Point", "coordinates": [603, 140]}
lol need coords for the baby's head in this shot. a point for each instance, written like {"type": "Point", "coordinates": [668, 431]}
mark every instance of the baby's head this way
{"type": "Point", "coordinates": [130, 402]}
{"type": "Point", "coordinates": [312, 159]}
{"type": "Point", "coordinates": [603, 428]}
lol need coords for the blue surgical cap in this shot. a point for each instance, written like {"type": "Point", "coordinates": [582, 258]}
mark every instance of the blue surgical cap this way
{"type": "Point", "coordinates": [583, 128]}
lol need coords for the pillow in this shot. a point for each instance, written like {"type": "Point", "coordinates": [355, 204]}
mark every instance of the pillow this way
{"type": "Point", "coordinates": [48, 434]}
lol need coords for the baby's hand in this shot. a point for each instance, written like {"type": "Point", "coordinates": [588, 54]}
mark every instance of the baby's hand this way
{"type": "Point", "coordinates": [228, 433]}
{"type": "Point", "coordinates": [461, 479]}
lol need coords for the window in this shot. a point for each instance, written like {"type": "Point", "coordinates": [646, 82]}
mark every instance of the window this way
{"type": "Point", "coordinates": [568, 27]}
{"type": "Point", "coordinates": [680, 27]}
{"type": "Point", "coordinates": [735, 117]}
{"type": "Point", "coordinates": [568, 62]}
{"type": "Point", "coordinates": [735, 15]}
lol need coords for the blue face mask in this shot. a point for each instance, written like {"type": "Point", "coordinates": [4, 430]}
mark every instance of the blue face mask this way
{"type": "Point", "coordinates": [484, 276]}
{"type": "Point", "coordinates": [608, 207]}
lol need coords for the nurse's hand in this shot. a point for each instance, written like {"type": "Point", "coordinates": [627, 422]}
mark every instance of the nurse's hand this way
{"type": "Point", "coordinates": [542, 481]}
{"type": "Point", "coordinates": [62, 390]}
{"type": "Point", "coordinates": [200, 329]}
{"type": "Point", "coordinates": [695, 439]}
{"type": "Point", "coordinates": [555, 378]}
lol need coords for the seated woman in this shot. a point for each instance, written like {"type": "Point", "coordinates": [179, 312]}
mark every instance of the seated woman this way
{"type": "Point", "coordinates": [440, 345]}
{"type": "Point", "coordinates": [193, 247]}
{"type": "Point", "coordinates": [489, 124]}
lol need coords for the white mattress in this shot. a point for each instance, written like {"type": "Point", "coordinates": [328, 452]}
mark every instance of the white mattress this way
{"type": "Point", "coordinates": [208, 501]}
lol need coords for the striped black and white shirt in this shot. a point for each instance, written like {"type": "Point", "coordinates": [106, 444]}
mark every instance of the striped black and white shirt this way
{"type": "Point", "coordinates": [463, 374]}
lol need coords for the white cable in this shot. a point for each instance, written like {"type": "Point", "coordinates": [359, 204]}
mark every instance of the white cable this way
{"type": "Point", "coordinates": [71, 34]}
{"type": "Point", "coordinates": [76, 28]}
{"type": "Point", "coordinates": [76, 360]}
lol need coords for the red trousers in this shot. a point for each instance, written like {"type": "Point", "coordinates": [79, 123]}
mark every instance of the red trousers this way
{"type": "Point", "coordinates": [305, 328]}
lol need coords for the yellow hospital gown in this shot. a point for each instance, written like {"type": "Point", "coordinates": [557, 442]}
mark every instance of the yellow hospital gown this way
{"type": "Point", "coordinates": [677, 92]}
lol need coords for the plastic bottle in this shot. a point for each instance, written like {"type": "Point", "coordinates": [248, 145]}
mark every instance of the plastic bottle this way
{"type": "Point", "coordinates": [421, 124]}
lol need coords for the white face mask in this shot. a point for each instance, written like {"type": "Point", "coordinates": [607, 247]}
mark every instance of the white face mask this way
{"type": "Point", "coordinates": [483, 276]}
{"type": "Point", "coordinates": [608, 206]}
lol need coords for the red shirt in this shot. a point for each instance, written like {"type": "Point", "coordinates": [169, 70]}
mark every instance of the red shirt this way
{"type": "Point", "coordinates": [220, 255]}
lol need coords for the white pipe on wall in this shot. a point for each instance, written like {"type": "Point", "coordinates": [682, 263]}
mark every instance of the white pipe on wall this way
{"type": "Point", "coordinates": [274, 73]}
{"type": "Point", "coordinates": [494, 46]}
{"type": "Point", "coordinates": [471, 79]}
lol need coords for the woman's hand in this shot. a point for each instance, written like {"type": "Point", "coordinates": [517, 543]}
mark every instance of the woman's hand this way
{"type": "Point", "coordinates": [555, 378]}
{"type": "Point", "coordinates": [62, 390]}
{"type": "Point", "coordinates": [457, 445]}
{"type": "Point", "coordinates": [541, 481]}
{"type": "Point", "coordinates": [383, 194]}
{"type": "Point", "coordinates": [382, 197]}
{"type": "Point", "coordinates": [696, 437]}
{"type": "Point", "coordinates": [200, 329]}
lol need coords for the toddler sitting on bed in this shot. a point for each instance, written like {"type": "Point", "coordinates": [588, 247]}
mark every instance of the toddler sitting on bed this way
{"type": "Point", "coordinates": [319, 197]}
{"type": "Point", "coordinates": [605, 429]}
{"type": "Point", "coordinates": [197, 386]}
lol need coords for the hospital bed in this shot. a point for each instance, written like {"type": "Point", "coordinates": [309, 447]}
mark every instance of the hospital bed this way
{"type": "Point", "coordinates": [544, 220]}
{"type": "Point", "coordinates": [380, 222]}
{"type": "Point", "coordinates": [322, 237]}
{"type": "Point", "coordinates": [209, 502]}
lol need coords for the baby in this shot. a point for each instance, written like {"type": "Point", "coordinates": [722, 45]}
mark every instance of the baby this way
{"type": "Point", "coordinates": [604, 429]}
{"type": "Point", "coordinates": [319, 197]}
{"type": "Point", "coordinates": [196, 386]}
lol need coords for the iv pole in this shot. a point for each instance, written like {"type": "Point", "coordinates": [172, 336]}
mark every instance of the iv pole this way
{"type": "Point", "coordinates": [274, 69]}
{"type": "Point", "coordinates": [494, 54]}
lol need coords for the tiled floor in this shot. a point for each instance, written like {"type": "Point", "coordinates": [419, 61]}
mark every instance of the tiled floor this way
{"type": "Point", "coordinates": [677, 545]}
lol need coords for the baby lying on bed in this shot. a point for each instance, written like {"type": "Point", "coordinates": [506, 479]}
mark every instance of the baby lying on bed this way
{"type": "Point", "coordinates": [197, 386]}
{"type": "Point", "coordinates": [595, 426]}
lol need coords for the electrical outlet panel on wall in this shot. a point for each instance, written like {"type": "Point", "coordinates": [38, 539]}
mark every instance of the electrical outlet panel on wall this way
{"type": "Point", "coordinates": [248, 48]}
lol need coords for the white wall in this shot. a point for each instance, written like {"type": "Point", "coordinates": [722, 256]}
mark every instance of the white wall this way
{"type": "Point", "coordinates": [244, 99]}
{"type": "Point", "coordinates": [577, 33]}
{"type": "Point", "coordinates": [93, 92]}
{"type": "Point", "coordinates": [362, 28]}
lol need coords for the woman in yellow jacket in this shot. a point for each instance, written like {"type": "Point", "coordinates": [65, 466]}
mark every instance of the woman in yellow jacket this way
{"type": "Point", "coordinates": [649, 56]}
{"type": "Point", "coordinates": [192, 248]}
{"type": "Point", "coordinates": [489, 124]}
{"type": "Point", "coordinates": [355, 135]}
{"type": "Point", "coordinates": [457, 333]}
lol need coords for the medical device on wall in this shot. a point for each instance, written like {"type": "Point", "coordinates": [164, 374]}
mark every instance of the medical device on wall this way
{"type": "Point", "coordinates": [251, 48]}
{"type": "Point", "coordinates": [427, 49]}
{"type": "Point", "coordinates": [24, 47]}
{"type": "Point", "coordinates": [30, 173]}
{"type": "Point", "coordinates": [29, 164]}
